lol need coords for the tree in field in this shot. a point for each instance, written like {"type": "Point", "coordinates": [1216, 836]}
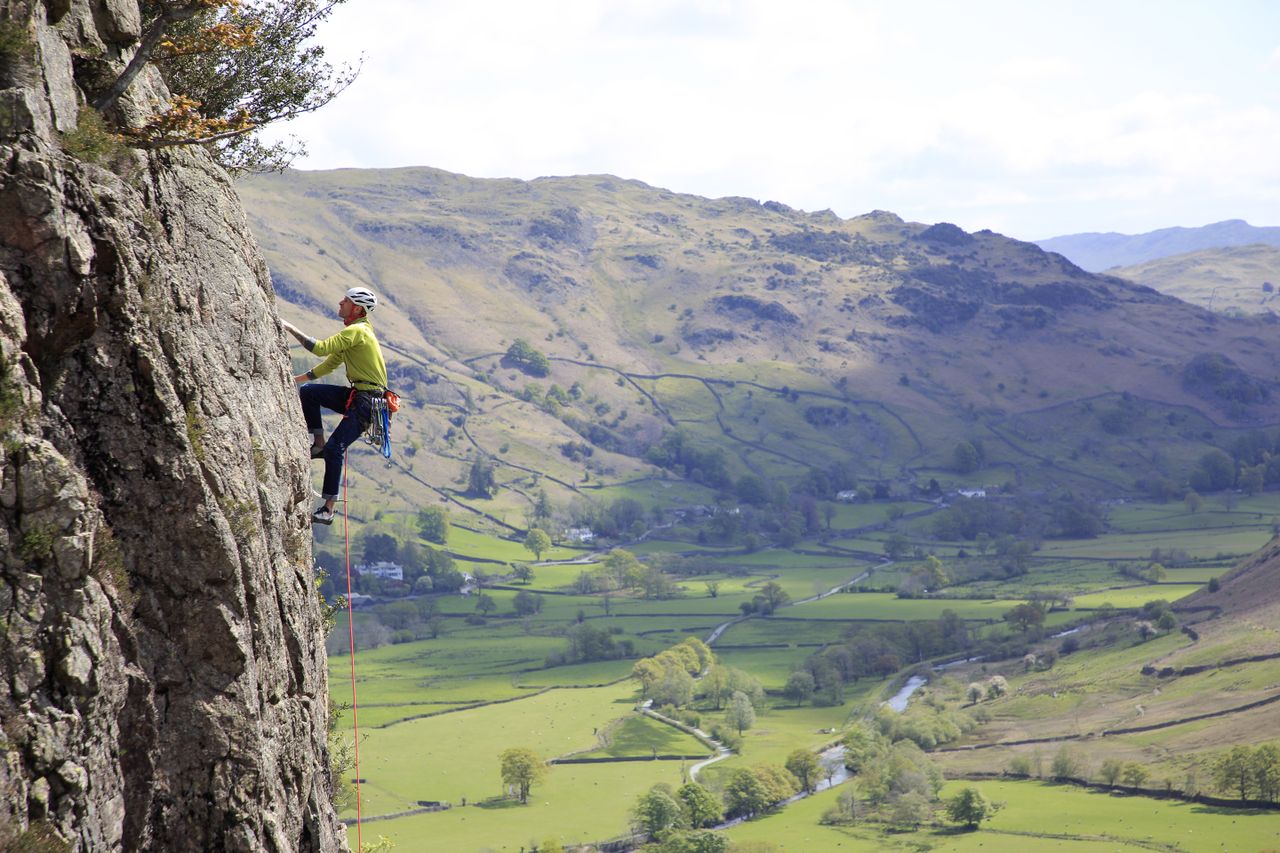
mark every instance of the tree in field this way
{"type": "Point", "coordinates": [895, 546]}
{"type": "Point", "coordinates": [800, 686]}
{"type": "Point", "coordinates": [861, 745]}
{"type": "Point", "coordinates": [623, 569]}
{"type": "Point", "coordinates": [778, 780]}
{"type": "Point", "coordinates": [965, 457]}
{"type": "Point", "coordinates": [774, 596]}
{"type": "Point", "coordinates": [1192, 500]}
{"type": "Point", "coordinates": [537, 542]}
{"type": "Point", "coordinates": [697, 841]}
{"type": "Point", "coordinates": [935, 574]}
{"type": "Point", "coordinates": [848, 807]}
{"type": "Point", "coordinates": [1024, 617]}
{"type": "Point", "coordinates": [1216, 470]}
{"type": "Point", "coordinates": [433, 524]}
{"type": "Point", "coordinates": [804, 765]}
{"type": "Point", "coordinates": [713, 588]}
{"type": "Point", "coordinates": [997, 686]}
{"type": "Point", "coordinates": [233, 67]}
{"type": "Point", "coordinates": [682, 656]}
{"type": "Point", "coordinates": [1252, 478]}
{"type": "Point", "coordinates": [751, 791]}
{"type": "Point", "coordinates": [520, 769]}
{"type": "Point", "coordinates": [649, 672]}
{"type": "Point", "coordinates": [700, 806]}
{"type": "Point", "coordinates": [1111, 771]}
{"type": "Point", "coordinates": [657, 811]}
{"type": "Point", "coordinates": [910, 810]}
{"type": "Point", "coordinates": [522, 356]}
{"type": "Point", "coordinates": [542, 508]}
{"type": "Point", "coordinates": [481, 482]}
{"type": "Point", "coordinates": [527, 603]}
{"type": "Point", "coordinates": [745, 795]}
{"type": "Point", "coordinates": [1134, 774]}
{"type": "Point", "coordinates": [740, 714]}
{"type": "Point", "coordinates": [523, 572]}
{"type": "Point", "coordinates": [1266, 772]}
{"type": "Point", "coordinates": [1234, 771]}
{"type": "Point", "coordinates": [675, 687]}
{"type": "Point", "coordinates": [485, 603]}
{"type": "Point", "coordinates": [969, 807]}
{"type": "Point", "coordinates": [706, 658]}
{"type": "Point", "coordinates": [1065, 765]}
{"type": "Point", "coordinates": [974, 693]}
{"type": "Point", "coordinates": [715, 685]}
{"type": "Point", "coordinates": [380, 547]}
{"type": "Point", "coordinates": [748, 684]}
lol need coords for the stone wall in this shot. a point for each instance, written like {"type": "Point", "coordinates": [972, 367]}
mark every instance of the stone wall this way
{"type": "Point", "coordinates": [162, 670]}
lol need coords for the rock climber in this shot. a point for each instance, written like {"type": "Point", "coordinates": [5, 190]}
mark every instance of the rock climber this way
{"type": "Point", "coordinates": [355, 347]}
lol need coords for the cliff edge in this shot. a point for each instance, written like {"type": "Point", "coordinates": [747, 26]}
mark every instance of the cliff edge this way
{"type": "Point", "coordinates": [162, 671]}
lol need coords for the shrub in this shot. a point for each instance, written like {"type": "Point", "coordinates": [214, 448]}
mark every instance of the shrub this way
{"type": "Point", "coordinates": [524, 357]}
{"type": "Point", "coordinates": [93, 142]}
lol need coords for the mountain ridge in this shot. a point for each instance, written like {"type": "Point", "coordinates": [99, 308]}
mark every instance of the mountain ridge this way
{"type": "Point", "coordinates": [1103, 251]}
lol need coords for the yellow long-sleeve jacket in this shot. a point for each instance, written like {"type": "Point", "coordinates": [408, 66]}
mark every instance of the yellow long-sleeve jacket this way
{"type": "Point", "coordinates": [356, 346]}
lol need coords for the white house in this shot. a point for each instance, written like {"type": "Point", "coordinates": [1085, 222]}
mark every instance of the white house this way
{"type": "Point", "coordinates": [580, 534]}
{"type": "Point", "coordinates": [972, 493]}
{"type": "Point", "coordinates": [382, 569]}
{"type": "Point", "coordinates": [847, 496]}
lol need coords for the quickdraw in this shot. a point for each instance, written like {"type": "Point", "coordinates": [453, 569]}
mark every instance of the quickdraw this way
{"type": "Point", "coordinates": [379, 432]}
{"type": "Point", "coordinates": [381, 407]}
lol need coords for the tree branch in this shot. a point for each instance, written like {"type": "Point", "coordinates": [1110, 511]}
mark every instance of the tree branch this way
{"type": "Point", "coordinates": [146, 47]}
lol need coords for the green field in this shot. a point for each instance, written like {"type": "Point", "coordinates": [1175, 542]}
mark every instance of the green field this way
{"type": "Point", "coordinates": [1134, 596]}
{"type": "Point", "coordinates": [578, 803]}
{"type": "Point", "coordinates": [1035, 816]}
{"type": "Point", "coordinates": [413, 752]}
{"type": "Point", "coordinates": [455, 756]}
{"type": "Point", "coordinates": [642, 736]}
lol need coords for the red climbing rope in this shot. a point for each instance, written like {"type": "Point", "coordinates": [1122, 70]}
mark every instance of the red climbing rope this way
{"type": "Point", "coordinates": [351, 634]}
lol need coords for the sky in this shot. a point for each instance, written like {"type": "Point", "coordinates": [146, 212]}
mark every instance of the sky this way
{"type": "Point", "coordinates": [1034, 119]}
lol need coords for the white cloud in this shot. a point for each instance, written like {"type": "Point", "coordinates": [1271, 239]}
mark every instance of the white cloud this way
{"type": "Point", "coordinates": [923, 109]}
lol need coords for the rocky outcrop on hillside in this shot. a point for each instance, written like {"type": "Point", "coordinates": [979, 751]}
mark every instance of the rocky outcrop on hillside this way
{"type": "Point", "coordinates": [162, 673]}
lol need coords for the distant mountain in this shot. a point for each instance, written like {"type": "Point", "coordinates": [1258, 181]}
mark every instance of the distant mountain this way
{"type": "Point", "coordinates": [679, 330]}
{"type": "Point", "coordinates": [1097, 251]}
{"type": "Point", "coordinates": [1239, 279]}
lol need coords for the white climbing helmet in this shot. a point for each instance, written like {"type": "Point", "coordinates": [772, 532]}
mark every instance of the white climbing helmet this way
{"type": "Point", "coordinates": [363, 297]}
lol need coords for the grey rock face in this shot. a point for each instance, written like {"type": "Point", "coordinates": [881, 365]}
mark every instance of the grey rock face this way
{"type": "Point", "coordinates": [162, 671]}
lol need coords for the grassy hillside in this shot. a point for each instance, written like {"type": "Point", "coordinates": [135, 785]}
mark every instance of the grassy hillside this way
{"type": "Point", "coordinates": [786, 340]}
{"type": "Point", "coordinates": [1227, 280]}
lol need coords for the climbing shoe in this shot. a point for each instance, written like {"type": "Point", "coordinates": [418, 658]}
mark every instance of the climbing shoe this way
{"type": "Point", "coordinates": [323, 515]}
{"type": "Point", "coordinates": [317, 452]}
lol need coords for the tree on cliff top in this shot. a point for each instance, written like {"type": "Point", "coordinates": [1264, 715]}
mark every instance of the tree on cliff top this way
{"type": "Point", "coordinates": [233, 66]}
